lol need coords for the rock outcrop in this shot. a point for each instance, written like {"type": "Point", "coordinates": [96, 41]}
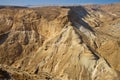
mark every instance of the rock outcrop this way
{"type": "Point", "coordinates": [60, 43]}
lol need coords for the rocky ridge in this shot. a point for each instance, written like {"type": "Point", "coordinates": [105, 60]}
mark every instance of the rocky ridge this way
{"type": "Point", "coordinates": [60, 43]}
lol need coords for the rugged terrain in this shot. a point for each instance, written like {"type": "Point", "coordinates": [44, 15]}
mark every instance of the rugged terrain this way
{"type": "Point", "coordinates": [60, 42]}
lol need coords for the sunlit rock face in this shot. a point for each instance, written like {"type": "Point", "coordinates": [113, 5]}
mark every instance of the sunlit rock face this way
{"type": "Point", "coordinates": [60, 43]}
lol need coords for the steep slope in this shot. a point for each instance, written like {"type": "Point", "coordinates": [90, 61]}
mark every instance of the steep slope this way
{"type": "Point", "coordinates": [59, 43]}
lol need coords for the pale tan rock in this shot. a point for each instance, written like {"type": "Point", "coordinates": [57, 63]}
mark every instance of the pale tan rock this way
{"type": "Point", "coordinates": [60, 43]}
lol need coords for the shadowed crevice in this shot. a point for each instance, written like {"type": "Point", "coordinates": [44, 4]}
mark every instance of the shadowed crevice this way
{"type": "Point", "coordinates": [3, 38]}
{"type": "Point", "coordinates": [4, 75]}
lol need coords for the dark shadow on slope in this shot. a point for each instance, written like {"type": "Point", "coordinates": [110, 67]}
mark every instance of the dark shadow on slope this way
{"type": "Point", "coordinates": [4, 75]}
{"type": "Point", "coordinates": [94, 52]}
{"type": "Point", "coordinates": [76, 14]}
{"type": "Point", "coordinates": [3, 38]}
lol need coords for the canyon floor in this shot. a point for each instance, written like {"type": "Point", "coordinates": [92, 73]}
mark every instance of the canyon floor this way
{"type": "Point", "coordinates": [60, 42]}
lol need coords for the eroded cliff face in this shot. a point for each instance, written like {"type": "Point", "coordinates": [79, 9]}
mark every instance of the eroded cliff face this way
{"type": "Point", "coordinates": [60, 43]}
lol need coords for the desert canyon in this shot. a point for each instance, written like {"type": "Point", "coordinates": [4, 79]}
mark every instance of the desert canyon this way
{"type": "Point", "coordinates": [60, 42]}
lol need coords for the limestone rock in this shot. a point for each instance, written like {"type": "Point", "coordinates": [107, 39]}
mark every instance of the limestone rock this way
{"type": "Point", "coordinates": [60, 43]}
